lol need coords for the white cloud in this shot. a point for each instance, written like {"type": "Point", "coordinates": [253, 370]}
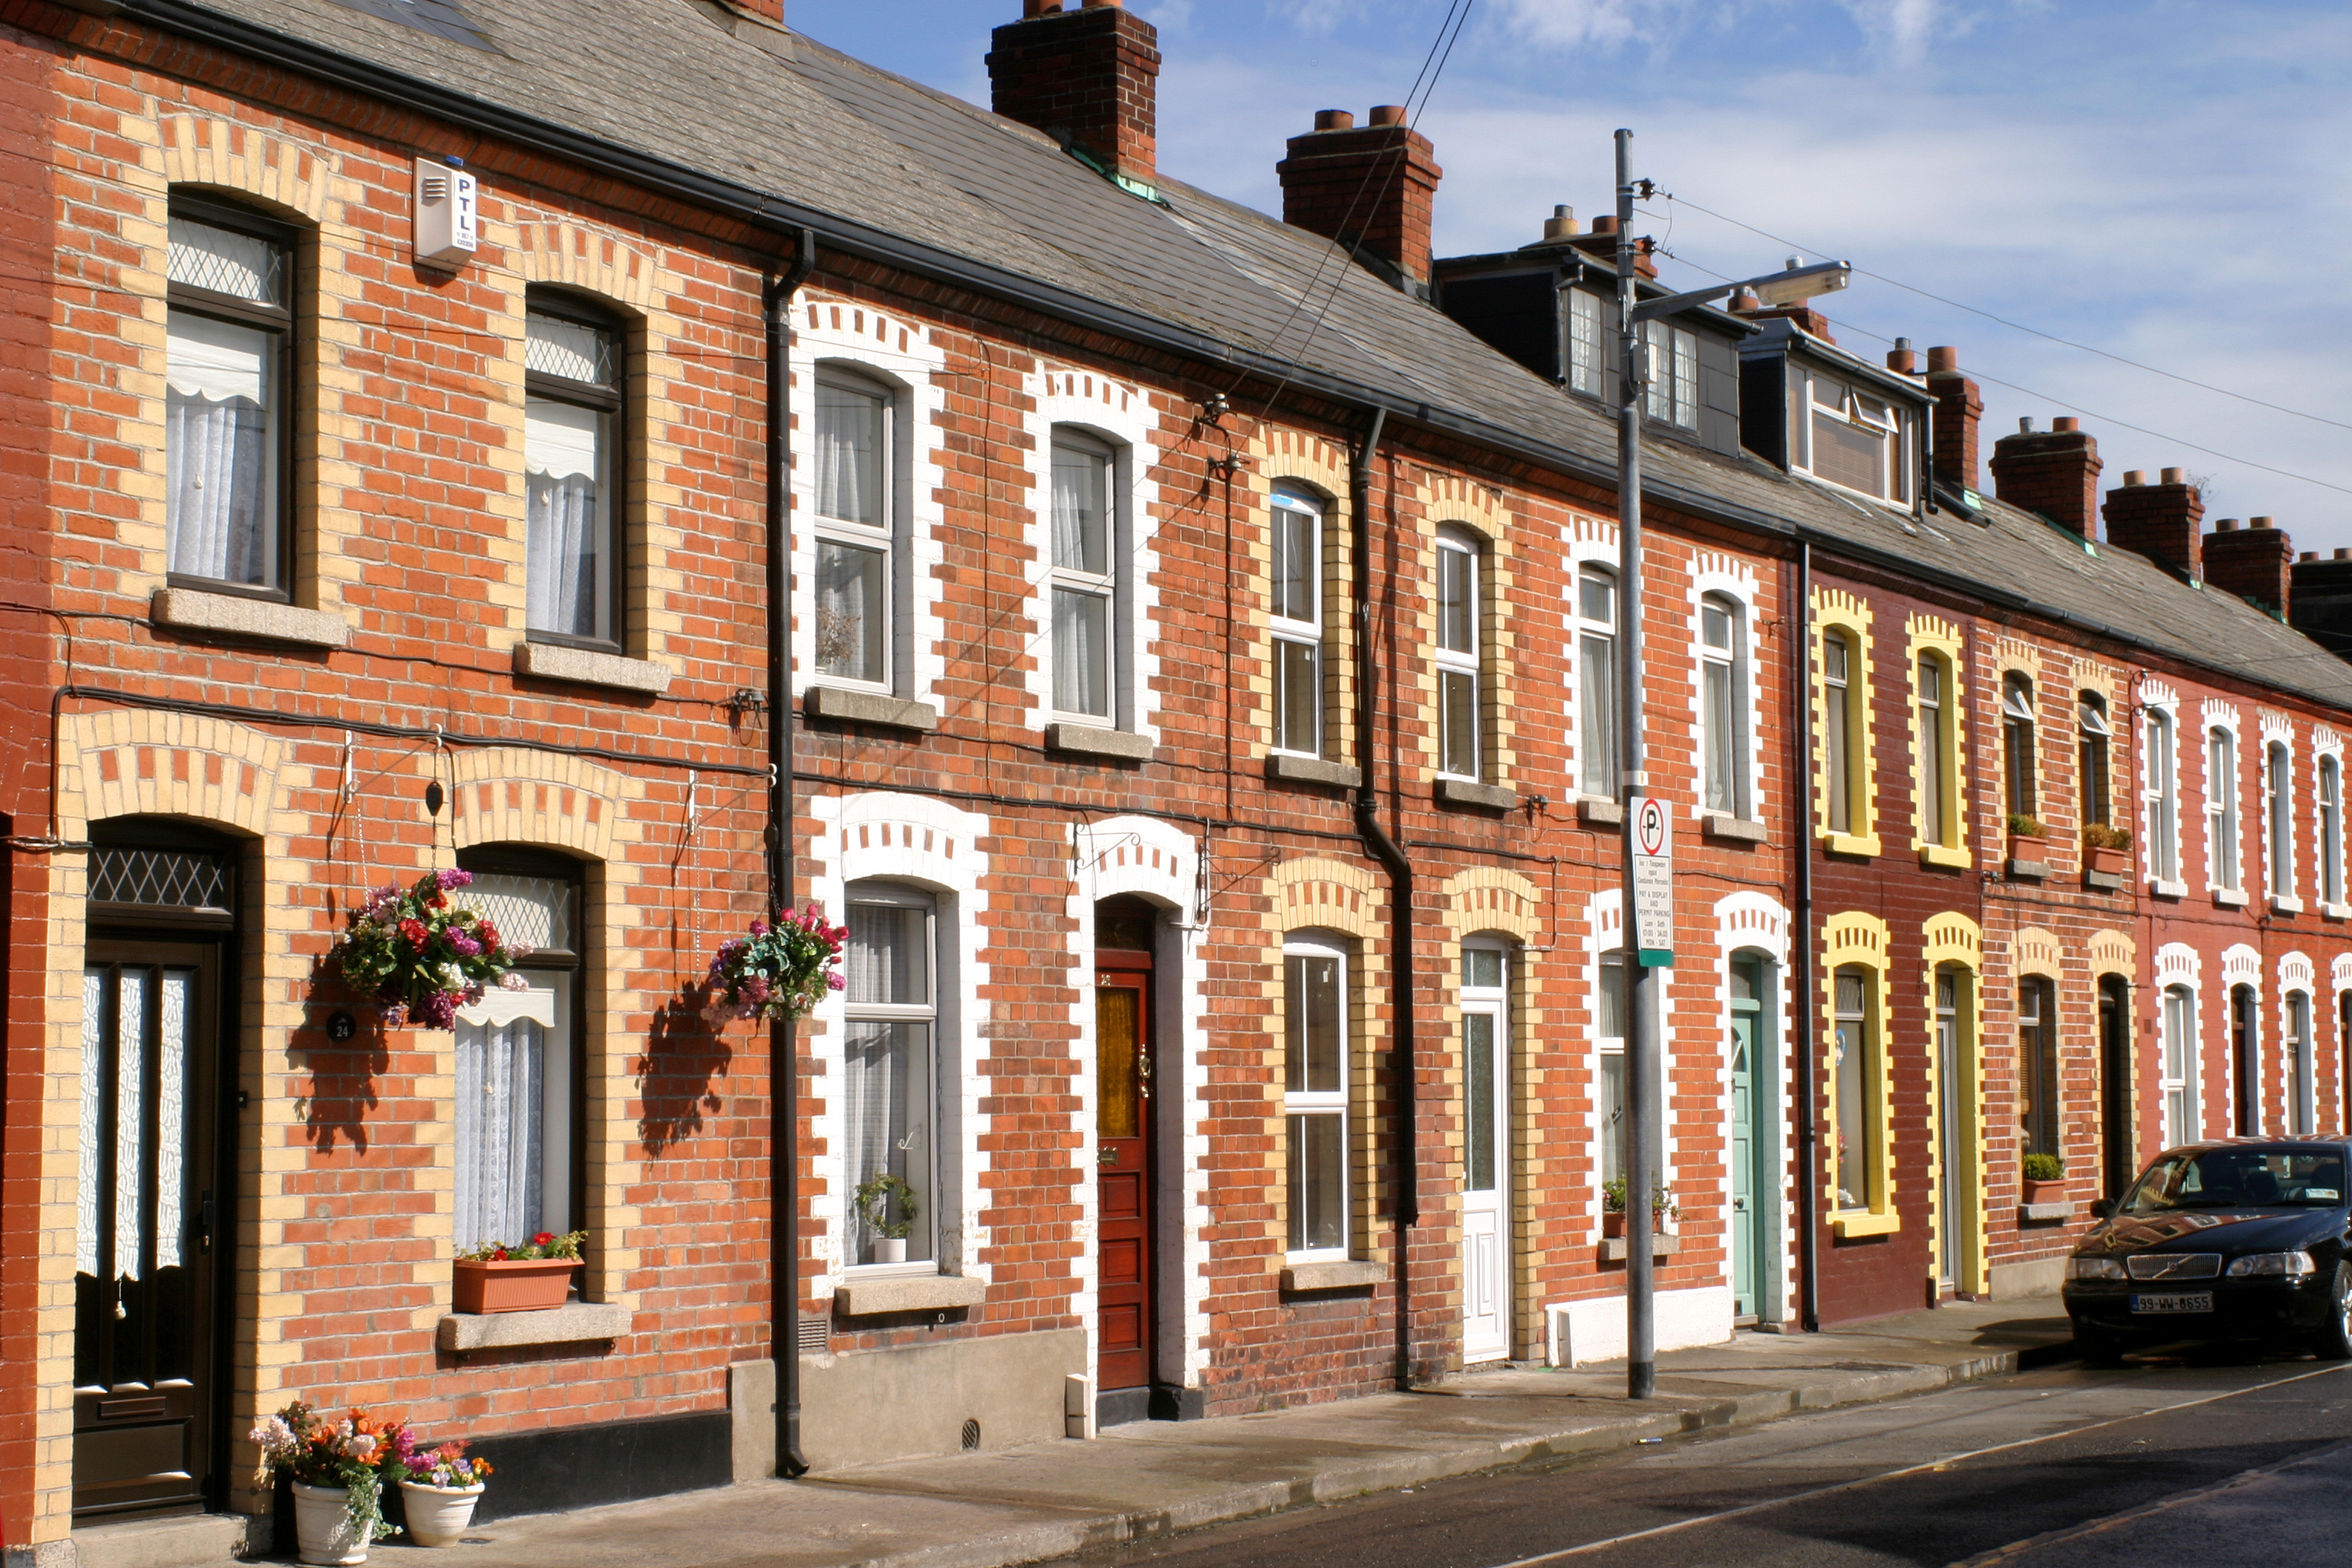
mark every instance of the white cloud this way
{"type": "Point", "coordinates": [1898, 29]}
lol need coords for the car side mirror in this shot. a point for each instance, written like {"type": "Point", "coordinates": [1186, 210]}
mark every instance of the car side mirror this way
{"type": "Point", "coordinates": [2102, 1208]}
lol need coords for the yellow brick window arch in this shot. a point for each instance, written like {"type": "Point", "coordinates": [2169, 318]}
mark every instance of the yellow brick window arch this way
{"type": "Point", "coordinates": [1856, 1006]}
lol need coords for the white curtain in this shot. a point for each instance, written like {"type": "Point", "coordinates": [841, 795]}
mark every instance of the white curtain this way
{"type": "Point", "coordinates": [501, 1134]}
{"type": "Point", "coordinates": [848, 455]}
{"type": "Point", "coordinates": [1082, 653]}
{"type": "Point", "coordinates": [172, 1171]}
{"type": "Point", "coordinates": [131, 1124]}
{"type": "Point", "coordinates": [93, 1109]}
{"type": "Point", "coordinates": [216, 450]}
{"type": "Point", "coordinates": [1081, 491]}
{"type": "Point", "coordinates": [876, 1072]}
{"type": "Point", "coordinates": [562, 455]}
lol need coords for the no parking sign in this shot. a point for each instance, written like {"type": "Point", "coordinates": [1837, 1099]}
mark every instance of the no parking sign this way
{"type": "Point", "coordinates": [1654, 883]}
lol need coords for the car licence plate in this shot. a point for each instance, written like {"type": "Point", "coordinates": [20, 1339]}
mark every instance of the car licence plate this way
{"type": "Point", "coordinates": [2203, 1301]}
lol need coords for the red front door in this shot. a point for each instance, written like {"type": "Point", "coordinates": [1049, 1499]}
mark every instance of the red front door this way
{"type": "Point", "coordinates": [1123, 1122]}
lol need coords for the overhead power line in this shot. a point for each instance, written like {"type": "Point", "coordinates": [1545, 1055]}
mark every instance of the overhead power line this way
{"type": "Point", "coordinates": [2017, 326]}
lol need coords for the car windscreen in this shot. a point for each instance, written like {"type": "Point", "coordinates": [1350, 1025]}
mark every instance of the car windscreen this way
{"type": "Point", "coordinates": [2239, 1178]}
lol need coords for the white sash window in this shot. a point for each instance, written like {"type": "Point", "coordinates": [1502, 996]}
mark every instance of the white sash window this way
{"type": "Point", "coordinates": [227, 331]}
{"type": "Point", "coordinates": [515, 1070]}
{"type": "Point", "coordinates": [571, 421]}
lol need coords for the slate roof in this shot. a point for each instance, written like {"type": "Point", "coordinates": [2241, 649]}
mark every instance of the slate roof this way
{"type": "Point", "coordinates": [779, 127]}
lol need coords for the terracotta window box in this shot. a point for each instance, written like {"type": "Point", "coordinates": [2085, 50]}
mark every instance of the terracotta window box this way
{"type": "Point", "coordinates": [2038, 1193]}
{"type": "Point", "coordinates": [2108, 862]}
{"type": "Point", "coordinates": [516, 1285]}
{"type": "Point", "coordinates": [1613, 1221]}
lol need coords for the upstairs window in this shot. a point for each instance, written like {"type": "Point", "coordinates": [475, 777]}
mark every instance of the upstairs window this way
{"type": "Point", "coordinates": [1723, 674]}
{"type": "Point", "coordinates": [2331, 831]}
{"type": "Point", "coordinates": [1458, 615]}
{"type": "Point", "coordinates": [2221, 806]}
{"type": "Point", "coordinates": [854, 523]}
{"type": "Point", "coordinates": [2279, 782]}
{"type": "Point", "coordinates": [2160, 796]}
{"type": "Point", "coordinates": [571, 406]}
{"type": "Point", "coordinates": [2018, 763]}
{"type": "Point", "coordinates": [1855, 440]}
{"type": "Point", "coordinates": [1597, 688]}
{"type": "Point", "coordinates": [1840, 755]}
{"type": "Point", "coordinates": [1298, 616]}
{"type": "Point", "coordinates": [1671, 396]}
{"type": "Point", "coordinates": [1586, 342]}
{"type": "Point", "coordinates": [1085, 581]}
{"type": "Point", "coordinates": [228, 335]}
{"type": "Point", "coordinates": [2093, 735]}
{"type": "Point", "coordinates": [1936, 752]}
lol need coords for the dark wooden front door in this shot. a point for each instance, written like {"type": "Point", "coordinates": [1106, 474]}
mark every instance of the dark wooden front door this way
{"type": "Point", "coordinates": [147, 1236]}
{"type": "Point", "coordinates": [1123, 1185]}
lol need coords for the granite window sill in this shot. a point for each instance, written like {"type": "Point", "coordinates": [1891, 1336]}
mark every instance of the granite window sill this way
{"type": "Point", "coordinates": [856, 1298]}
{"type": "Point", "coordinates": [875, 708]}
{"type": "Point", "coordinates": [1341, 1274]}
{"type": "Point", "coordinates": [1289, 767]}
{"type": "Point", "coordinates": [574, 1322]}
{"type": "Point", "coordinates": [2029, 870]}
{"type": "Point", "coordinates": [1725, 828]}
{"type": "Point", "coordinates": [2040, 1214]}
{"type": "Point", "coordinates": [1599, 811]}
{"type": "Point", "coordinates": [239, 615]}
{"type": "Point", "coordinates": [2105, 881]}
{"type": "Point", "coordinates": [1469, 792]}
{"type": "Point", "coordinates": [1614, 1250]}
{"type": "Point", "coordinates": [1097, 741]}
{"type": "Point", "coordinates": [586, 667]}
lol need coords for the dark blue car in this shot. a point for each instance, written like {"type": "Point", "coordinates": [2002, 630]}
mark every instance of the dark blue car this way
{"type": "Point", "coordinates": [2239, 1239]}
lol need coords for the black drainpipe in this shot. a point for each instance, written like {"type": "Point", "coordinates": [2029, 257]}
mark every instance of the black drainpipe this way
{"type": "Point", "coordinates": [784, 1047]}
{"type": "Point", "coordinates": [1800, 952]}
{"type": "Point", "coordinates": [1384, 849]}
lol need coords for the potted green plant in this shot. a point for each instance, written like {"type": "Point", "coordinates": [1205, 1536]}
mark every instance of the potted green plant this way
{"type": "Point", "coordinates": [2028, 840]}
{"type": "Point", "coordinates": [781, 970]}
{"type": "Point", "coordinates": [2044, 1179]}
{"type": "Point", "coordinates": [1612, 1208]}
{"type": "Point", "coordinates": [878, 1195]}
{"type": "Point", "coordinates": [336, 1469]}
{"type": "Point", "coordinates": [438, 1491]}
{"type": "Point", "coordinates": [2106, 849]}
{"type": "Point", "coordinates": [523, 1277]}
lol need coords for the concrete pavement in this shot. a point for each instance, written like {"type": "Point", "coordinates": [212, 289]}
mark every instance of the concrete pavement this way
{"type": "Point", "coordinates": [1028, 1504]}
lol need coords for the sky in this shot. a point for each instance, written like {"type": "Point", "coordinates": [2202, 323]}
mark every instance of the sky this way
{"type": "Point", "coordinates": [2164, 180]}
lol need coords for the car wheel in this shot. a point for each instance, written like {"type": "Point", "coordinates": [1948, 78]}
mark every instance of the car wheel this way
{"type": "Point", "coordinates": [2333, 1341]}
{"type": "Point", "coordinates": [2097, 1349]}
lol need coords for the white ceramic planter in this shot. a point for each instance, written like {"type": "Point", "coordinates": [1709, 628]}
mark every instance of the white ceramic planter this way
{"type": "Point", "coordinates": [323, 1529]}
{"type": "Point", "coordinates": [438, 1516]}
{"type": "Point", "coordinates": [890, 1249]}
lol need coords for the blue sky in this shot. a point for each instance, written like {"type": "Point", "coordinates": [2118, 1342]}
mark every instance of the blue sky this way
{"type": "Point", "coordinates": [2165, 180]}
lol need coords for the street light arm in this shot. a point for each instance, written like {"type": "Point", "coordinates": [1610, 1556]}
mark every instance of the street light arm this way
{"type": "Point", "coordinates": [1785, 288]}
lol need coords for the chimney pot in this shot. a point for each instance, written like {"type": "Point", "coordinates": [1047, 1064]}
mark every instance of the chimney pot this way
{"type": "Point", "coordinates": [1561, 224]}
{"type": "Point", "coordinates": [1605, 224]}
{"type": "Point", "coordinates": [2308, 555]}
{"type": "Point", "coordinates": [1747, 300]}
{"type": "Point", "coordinates": [2025, 425]}
{"type": "Point", "coordinates": [1943, 361]}
{"type": "Point", "coordinates": [2260, 522]}
{"type": "Point", "coordinates": [2065, 421]}
{"type": "Point", "coordinates": [1090, 81]}
{"type": "Point", "coordinates": [2342, 553]}
{"type": "Point", "coordinates": [1901, 359]}
{"type": "Point", "coordinates": [2134, 477]}
{"type": "Point", "coordinates": [2174, 477]}
{"type": "Point", "coordinates": [2227, 525]}
{"type": "Point", "coordinates": [1334, 119]}
{"type": "Point", "coordinates": [1382, 113]}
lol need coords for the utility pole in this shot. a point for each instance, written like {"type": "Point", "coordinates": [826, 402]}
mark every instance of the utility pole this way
{"type": "Point", "coordinates": [1641, 986]}
{"type": "Point", "coordinates": [1646, 923]}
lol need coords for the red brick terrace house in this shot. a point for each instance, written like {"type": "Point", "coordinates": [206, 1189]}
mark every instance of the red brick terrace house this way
{"type": "Point", "coordinates": [1232, 969]}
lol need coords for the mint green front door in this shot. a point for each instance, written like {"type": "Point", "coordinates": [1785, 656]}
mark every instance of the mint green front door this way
{"type": "Point", "coordinates": [1746, 1212]}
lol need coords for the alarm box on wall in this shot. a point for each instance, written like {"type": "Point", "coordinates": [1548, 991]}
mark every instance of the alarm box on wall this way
{"type": "Point", "coordinates": [447, 220]}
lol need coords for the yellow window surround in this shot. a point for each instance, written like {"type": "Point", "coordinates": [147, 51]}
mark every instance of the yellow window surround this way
{"type": "Point", "coordinates": [1837, 612]}
{"type": "Point", "coordinates": [1848, 940]}
{"type": "Point", "coordinates": [1930, 636]}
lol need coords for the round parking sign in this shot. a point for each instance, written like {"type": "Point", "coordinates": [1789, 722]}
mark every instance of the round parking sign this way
{"type": "Point", "coordinates": [1650, 826]}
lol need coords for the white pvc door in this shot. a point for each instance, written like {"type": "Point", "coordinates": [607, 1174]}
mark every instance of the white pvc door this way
{"type": "Point", "coordinates": [1485, 1157]}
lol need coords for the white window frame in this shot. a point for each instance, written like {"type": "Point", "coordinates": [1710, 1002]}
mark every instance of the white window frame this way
{"type": "Point", "coordinates": [1596, 762]}
{"type": "Point", "coordinates": [2160, 799]}
{"type": "Point", "coordinates": [1111, 586]}
{"type": "Point", "coordinates": [1938, 821]}
{"type": "Point", "coordinates": [607, 402]}
{"type": "Point", "coordinates": [2298, 1073]}
{"type": "Point", "coordinates": [1842, 751]}
{"type": "Point", "coordinates": [885, 537]}
{"type": "Point", "coordinates": [1730, 657]}
{"type": "Point", "coordinates": [1459, 662]}
{"type": "Point", "coordinates": [2224, 863]}
{"type": "Point", "coordinates": [274, 316]}
{"type": "Point", "coordinates": [2093, 726]}
{"type": "Point", "coordinates": [2278, 825]}
{"type": "Point", "coordinates": [1843, 404]}
{"type": "Point", "coordinates": [1494, 1002]}
{"type": "Point", "coordinates": [1871, 1119]}
{"type": "Point", "coordinates": [1588, 344]}
{"type": "Point", "coordinates": [899, 895]}
{"type": "Point", "coordinates": [1294, 630]}
{"type": "Point", "coordinates": [2177, 1047]}
{"type": "Point", "coordinates": [1673, 396]}
{"type": "Point", "coordinates": [2327, 835]}
{"type": "Point", "coordinates": [1334, 1102]}
{"type": "Point", "coordinates": [1608, 1049]}
{"type": "Point", "coordinates": [2020, 745]}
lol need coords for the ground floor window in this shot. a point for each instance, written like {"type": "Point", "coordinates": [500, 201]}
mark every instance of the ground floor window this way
{"type": "Point", "coordinates": [2177, 1084]}
{"type": "Point", "coordinates": [2037, 1065]}
{"type": "Point", "coordinates": [1855, 1053]}
{"type": "Point", "coordinates": [891, 1078]}
{"type": "Point", "coordinates": [1315, 1095]}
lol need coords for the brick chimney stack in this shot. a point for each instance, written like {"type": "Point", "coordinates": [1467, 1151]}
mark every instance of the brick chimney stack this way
{"type": "Point", "coordinates": [2055, 472]}
{"type": "Point", "coordinates": [1375, 186]}
{"type": "Point", "coordinates": [1088, 77]}
{"type": "Point", "coordinates": [1959, 405]}
{"type": "Point", "coordinates": [2159, 521]}
{"type": "Point", "coordinates": [2256, 561]}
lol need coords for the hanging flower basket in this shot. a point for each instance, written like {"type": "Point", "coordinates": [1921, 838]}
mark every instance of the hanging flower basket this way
{"type": "Point", "coordinates": [423, 957]}
{"type": "Point", "coordinates": [782, 971]}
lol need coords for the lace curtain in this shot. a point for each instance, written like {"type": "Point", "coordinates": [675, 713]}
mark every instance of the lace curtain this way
{"type": "Point", "coordinates": [217, 450]}
{"type": "Point", "coordinates": [501, 1131]}
{"type": "Point", "coordinates": [563, 453]}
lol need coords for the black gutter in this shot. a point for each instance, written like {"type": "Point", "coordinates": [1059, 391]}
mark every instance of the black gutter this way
{"type": "Point", "coordinates": [783, 1043]}
{"type": "Point", "coordinates": [1384, 849]}
{"type": "Point", "coordinates": [1801, 956]}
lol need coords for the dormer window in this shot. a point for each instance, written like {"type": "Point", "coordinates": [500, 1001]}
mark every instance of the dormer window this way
{"type": "Point", "coordinates": [1671, 397]}
{"type": "Point", "coordinates": [1853, 438]}
{"type": "Point", "coordinates": [1585, 345]}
